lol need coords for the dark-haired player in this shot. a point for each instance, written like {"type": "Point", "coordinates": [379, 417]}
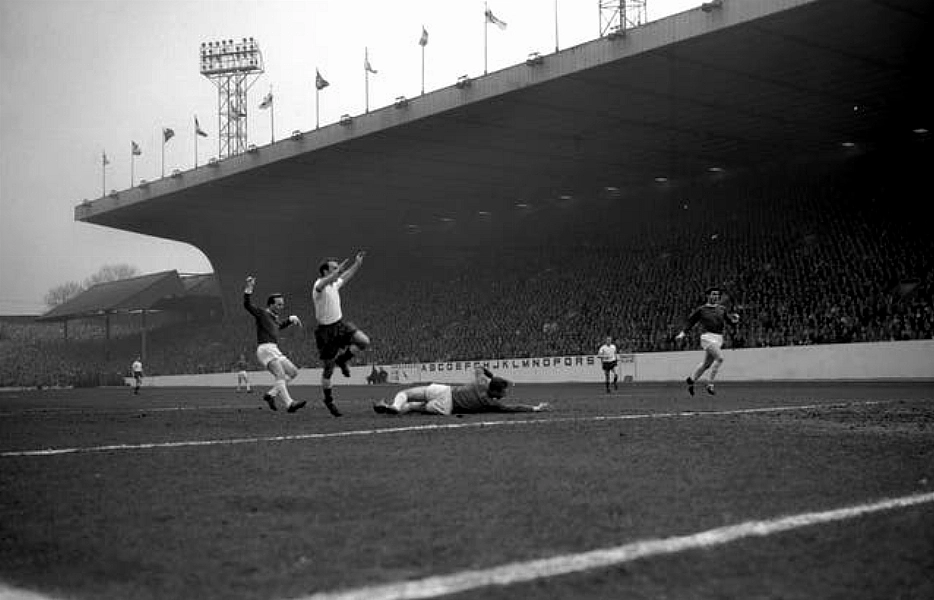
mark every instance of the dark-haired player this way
{"type": "Point", "coordinates": [335, 338]}
{"type": "Point", "coordinates": [268, 324]}
{"type": "Point", "coordinates": [712, 317]}
{"type": "Point", "coordinates": [608, 362]}
{"type": "Point", "coordinates": [483, 395]}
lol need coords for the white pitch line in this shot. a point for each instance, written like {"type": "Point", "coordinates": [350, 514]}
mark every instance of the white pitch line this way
{"type": "Point", "coordinates": [431, 427]}
{"type": "Point", "coordinates": [10, 593]}
{"type": "Point", "coordinates": [156, 409]}
{"type": "Point", "coordinates": [518, 572]}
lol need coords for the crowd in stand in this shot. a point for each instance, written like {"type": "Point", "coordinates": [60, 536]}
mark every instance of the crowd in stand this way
{"type": "Point", "coordinates": [801, 264]}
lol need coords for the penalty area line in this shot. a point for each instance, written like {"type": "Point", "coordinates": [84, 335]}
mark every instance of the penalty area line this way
{"type": "Point", "coordinates": [519, 572]}
{"type": "Point", "coordinates": [429, 427]}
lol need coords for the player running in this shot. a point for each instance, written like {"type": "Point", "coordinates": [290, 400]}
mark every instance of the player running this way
{"type": "Point", "coordinates": [712, 317]}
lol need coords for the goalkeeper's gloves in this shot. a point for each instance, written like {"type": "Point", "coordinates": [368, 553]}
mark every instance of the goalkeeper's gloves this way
{"type": "Point", "coordinates": [680, 336]}
{"type": "Point", "coordinates": [295, 320]}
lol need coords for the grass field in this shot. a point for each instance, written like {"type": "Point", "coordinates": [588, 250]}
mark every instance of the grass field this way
{"type": "Point", "coordinates": [790, 491]}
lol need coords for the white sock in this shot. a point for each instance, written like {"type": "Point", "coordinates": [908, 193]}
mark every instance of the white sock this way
{"type": "Point", "coordinates": [283, 391]}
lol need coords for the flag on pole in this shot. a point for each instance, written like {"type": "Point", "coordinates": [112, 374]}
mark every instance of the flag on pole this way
{"type": "Point", "coordinates": [135, 149]}
{"type": "Point", "coordinates": [491, 18]}
{"type": "Point", "coordinates": [320, 82]}
{"type": "Point", "coordinates": [267, 101]}
{"type": "Point", "coordinates": [423, 41]}
{"type": "Point", "coordinates": [198, 129]}
{"type": "Point", "coordinates": [104, 160]}
{"type": "Point", "coordinates": [366, 64]}
{"type": "Point", "coordinates": [167, 134]}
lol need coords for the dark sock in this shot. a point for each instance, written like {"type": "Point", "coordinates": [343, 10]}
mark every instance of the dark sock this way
{"type": "Point", "coordinates": [345, 356]}
{"type": "Point", "coordinates": [327, 395]}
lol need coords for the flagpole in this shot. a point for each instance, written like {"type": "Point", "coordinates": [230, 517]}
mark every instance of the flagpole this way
{"type": "Point", "coordinates": [366, 76]}
{"type": "Point", "coordinates": [132, 162]}
{"type": "Point", "coordinates": [423, 69]}
{"type": "Point", "coordinates": [272, 121]}
{"type": "Point", "coordinates": [556, 25]}
{"type": "Point", "coordinates": [486, 25]}
{"type": "Point", "coordinates": [196, 149]}
{"type": "Point", "coordinates": [317, 106]}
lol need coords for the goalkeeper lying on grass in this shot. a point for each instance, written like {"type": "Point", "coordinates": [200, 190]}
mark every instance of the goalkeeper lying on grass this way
{"type": "Point", "coordinates": [484, 394]}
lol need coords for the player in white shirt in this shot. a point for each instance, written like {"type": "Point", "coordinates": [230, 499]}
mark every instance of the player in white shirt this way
{"type": "Point", "coordinates": [137, 368]}
{"type": "Point", "coordinates": [608, 361]}
{"type": "Point", "coordinates": [335, 338]}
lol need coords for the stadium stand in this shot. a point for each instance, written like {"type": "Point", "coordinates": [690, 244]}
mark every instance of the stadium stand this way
{"type": "Point", "coordinates": [807, 256]}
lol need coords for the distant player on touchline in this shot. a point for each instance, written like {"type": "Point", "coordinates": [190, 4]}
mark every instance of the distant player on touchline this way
{"type": "Point", "coordinates": [608, 361]}
{"type": "Point", "coordinates": [243, 378]}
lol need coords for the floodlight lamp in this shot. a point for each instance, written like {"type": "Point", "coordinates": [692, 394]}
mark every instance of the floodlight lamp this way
{"type": "Point", "coordinates": [401, 102]}
{"type": "Point", "coordinates": [176, 173]}
{"type": "Point", "coordinates": [534, 59]}
{"type": "Point", "coordinates": [711, 5]}
{"type": "Point", "coordinates": [113, 193]}
{"type": "Point", "coordinates": [346, 119]}
{"type": "Point", "coordinates": [212, 162]}
{"type": "Point", "coordinates": [297, 134]}
{"type": "Point", "coordinates": [463, 81]}
{"type": "Point", "coordinates": [616, 33]}
{"type": "Point", "coordinates": [252, 149]}
{"type": "Point", "coordinates": [143, 183]}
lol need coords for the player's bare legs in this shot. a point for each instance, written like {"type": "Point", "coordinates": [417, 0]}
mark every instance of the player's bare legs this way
{"type": "Point", "coordinates": [359, 343]}
{"type": "Point", "coordinates": [283, 370]}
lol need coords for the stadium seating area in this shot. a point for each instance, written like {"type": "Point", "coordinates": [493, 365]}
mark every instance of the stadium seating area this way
{"type": "Point", "coordinates": [826, 259]}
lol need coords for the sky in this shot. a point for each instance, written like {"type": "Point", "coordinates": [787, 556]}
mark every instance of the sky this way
{"type": "Point", "coordinates": [79, 78]}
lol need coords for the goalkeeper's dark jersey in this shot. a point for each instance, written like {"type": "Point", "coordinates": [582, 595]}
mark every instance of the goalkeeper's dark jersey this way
{"type": "Point", "coordinates": [712, 318]}
{"type": "Point", "coordinates": [472, 398]}
{"type": "Point", "coordinates": [267, 324]}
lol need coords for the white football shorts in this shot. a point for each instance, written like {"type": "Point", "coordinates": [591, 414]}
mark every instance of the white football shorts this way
{"type": "Point", "coordinates": [266, 353]}
{"type": "Point", "coordinates": [438, 399]}
{"type": "Point", "coordinates": [711, 341]}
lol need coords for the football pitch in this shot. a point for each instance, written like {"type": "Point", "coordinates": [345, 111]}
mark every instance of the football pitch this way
{"type": "Point", "coordinates": [766, 490]}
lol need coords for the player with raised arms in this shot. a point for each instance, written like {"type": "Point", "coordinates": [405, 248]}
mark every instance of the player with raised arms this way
{"type": "Point", "coordinates": [335, 338]}
{"type": "Point", "coordinates": [268, 324]}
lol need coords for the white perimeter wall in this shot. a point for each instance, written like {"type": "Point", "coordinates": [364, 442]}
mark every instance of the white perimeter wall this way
{"type": "Point", "coordinates": [869, 361]}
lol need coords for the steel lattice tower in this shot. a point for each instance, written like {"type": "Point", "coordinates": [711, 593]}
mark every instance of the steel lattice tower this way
{"type": "Point", "coordinates": [619, 15]}
{"type": "Point", "coordinates": [233, 67]}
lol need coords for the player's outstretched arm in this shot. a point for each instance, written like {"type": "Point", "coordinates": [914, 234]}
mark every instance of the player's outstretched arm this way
{"type": "Point", "coordinates": [248, 295]}
{"type": "Point", "coordinates": [522, 408]}
{"type": "Point", "coordinates": [352, 270]}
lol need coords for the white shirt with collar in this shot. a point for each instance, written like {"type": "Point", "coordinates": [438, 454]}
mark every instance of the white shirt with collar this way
{"type": "Point", "coordinates": [327, 302]}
